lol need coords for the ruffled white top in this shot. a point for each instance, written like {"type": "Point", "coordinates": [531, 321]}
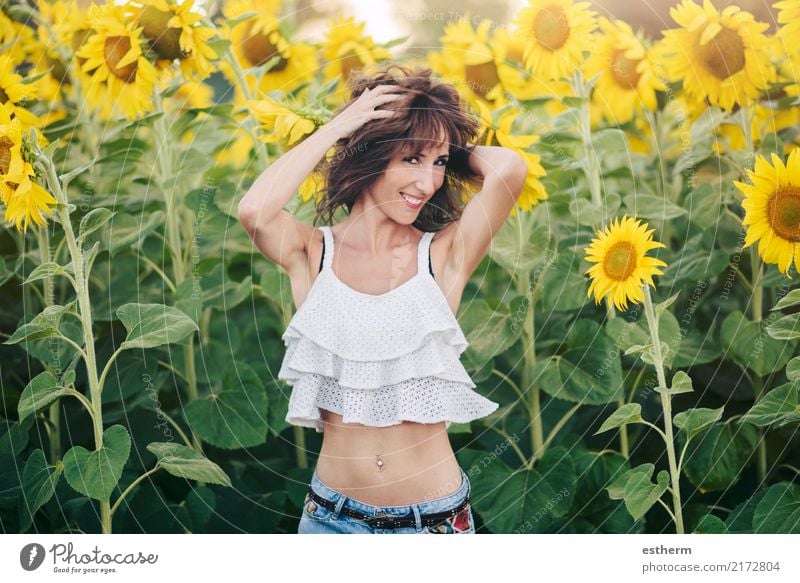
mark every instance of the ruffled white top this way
{"type": "Point", "coordinates": [381, 359]}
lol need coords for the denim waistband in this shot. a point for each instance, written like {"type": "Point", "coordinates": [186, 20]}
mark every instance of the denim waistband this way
{"type": "Point", "coordinates": [426, 507]}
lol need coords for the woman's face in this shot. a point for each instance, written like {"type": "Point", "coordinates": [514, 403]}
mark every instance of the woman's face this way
{"type": "Point", "coordinates": [410, 180]}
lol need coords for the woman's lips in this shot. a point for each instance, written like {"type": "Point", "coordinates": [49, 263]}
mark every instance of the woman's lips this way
{"type": "Point", "coordinates": [403, 195]}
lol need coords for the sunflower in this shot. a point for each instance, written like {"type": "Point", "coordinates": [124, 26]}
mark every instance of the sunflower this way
{"type": "Point", "coordinates": [259, 39]}
{"type": "Point", "coordinates": [347, 50]}
{"type": "Point", "coordinates": [622, 267]}
{"type": "Point", "coordinates": [120, 73]}
{"type": "Point", "coordinates": [173, 33]}
{"type": "Point", "coordinates": [500, 132]}
{"type": "Point", "coordinates": [789, 19]}
{"type": "Point", "coordinates": [772, 210]}
{"type": "Point", "coordinates": [282, 124]}
{"type": "Point", "coordinates": [468, 61]}
{"type": "Point", "coordinates": [721, 57]}
{"type": "Point", "coordinates": [559, 31]}
{"type": "Point", "coordinates": [24, 199]}
{"type": "Point", "coordinates": [627, 83]}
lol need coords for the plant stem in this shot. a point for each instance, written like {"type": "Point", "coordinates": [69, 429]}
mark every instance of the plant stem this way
{"type": "Point", "coordinates": [666, 402]}
{"type": "Point", "coordinates": [592, 167]}
{"type": "Point", "coordinates": [530, 388]}
{"type": "Point", "coordinates": [624, 448]}
{"type": "Point", "coordinates": [85, 311]}
{"type": "Point", "coordinates": [132, 486]}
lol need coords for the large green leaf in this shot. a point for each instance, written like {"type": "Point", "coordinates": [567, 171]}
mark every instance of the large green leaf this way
{"type": "Point", "coordinates": [779, 406]}
{"type": "Point", "coordinates": [588, 372]}
{"type": "Point", "coordinates": [520, 501]}
{"type": "Point", "coordinates": [39, 483]}
{"type": "Point", "coordinates": [751, 347]}
{"type": "Point", "coordinates": [491, 330]}
{"type": "Point", "coordinates": [564, 286]}
{"type": "Point", "coordinates": [150, 325]}
{"type": "Point", "coordinates": [184, 462]}
{"type": "Point", "coordinates": [95, 474]}
{"type": "Point", "coordinates": [593, 511]}
{"type": "Point", "coordinates": [793, 369]}
{"type": "Point", "coordinates": [234, 415]}
{"type": "Point", "coordinates": [40, 392]}
{"type": "Point", "coordinates": [519, 252]}
{"type": "Point", "coordinates": [710, 524]}
{"type": "Point", "coordinates": [695, 421]}
{"type": "Point", "coordinates": [790, 299]}
{"type": "Point", "coordinates": [715, 460]}
{"type": "Point", "coordinates": [779, 510]}
{"type": "Point", "coordinates": [43, 325]}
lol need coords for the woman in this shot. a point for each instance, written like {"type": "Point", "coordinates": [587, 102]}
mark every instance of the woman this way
{"type": "Point", "coordinates": [373, 348]}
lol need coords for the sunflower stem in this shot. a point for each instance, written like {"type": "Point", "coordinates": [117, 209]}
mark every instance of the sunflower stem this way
{"type": "Point", "coordinates": [658, 362]}
{"type": "Point", "coordinates": [531, 388]}
{"type": "Point", "coordinates": [611, 313]}
{"type": "Point", "coordinates": [592, 167]}
{"type": "Point", "coordinates": [173, 227]}
{"type": "Point", "coordinates": [85, 313]}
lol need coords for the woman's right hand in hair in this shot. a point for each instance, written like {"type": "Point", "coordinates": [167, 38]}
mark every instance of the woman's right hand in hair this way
{"type": "Point", "coordinates": [363, 109]}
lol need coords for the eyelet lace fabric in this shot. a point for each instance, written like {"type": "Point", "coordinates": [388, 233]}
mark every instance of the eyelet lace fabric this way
{"type": "Point", "coordinates": [381, 359]}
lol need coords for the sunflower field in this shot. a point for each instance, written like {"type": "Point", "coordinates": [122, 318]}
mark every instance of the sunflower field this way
{"type": "Point", "coordinates": [637, 317]}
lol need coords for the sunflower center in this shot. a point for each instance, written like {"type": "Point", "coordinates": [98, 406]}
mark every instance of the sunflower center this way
{"type": "Point", "coordinates": [623, 70]}
{"type": "Point", "coordinates": [258, 49]}
{"type": "Point", "coordinates": [115, 48]}
{"type": "Point", "coordinates": [724, 54]}
{"type": "Point", "coordinates": [78, 38]}
{"type": "Point", "coordinates": [783, 212]}
{"type": "Point", "coordinates": [550, 28]}
{"type": "Point", "coordinates": [350, 63]}
{"type": "Point", "coordinates": [620, 261]}
{"type": "Point", "coordinates": [165, 40]}
{"type": "Point", "coordinates": [481, 78]}
{"type": "Point", "coordinates": [5, 153]}
{"type": "Point", "coordinates": [58, 71]}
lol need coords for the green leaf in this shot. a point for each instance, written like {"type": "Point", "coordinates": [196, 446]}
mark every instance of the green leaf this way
{"type": "Point", "coordinates": [695, 421]}
{"type": "Point", "coordinates": [710, 524]}
{"type": "Point", "coordinates": [636, 489]}
{"type": "Point", "coordinates": [704, 205]}
{"type": "Point", "coordinates": [787, 301]}
{"type": "Point", "coordinates": [184, 462]}
{"type": "Point", "coordinates": [715, 460]}
{"type": "Point", "coordinates": [564, 286]}
{"type": "Point", "coordinates": [95, 474]}
{"type": "Point", "coordinates": [39, 483]}
{"type": "Point", "coordinates": [779, 510]}
{"type": "Point", "coordinates": [40, 392]}
{"type": "Point", "coordinates": [681, 383]}
{"type": "Point", "coordinates": [150, 325]}
{"type": "Point", "coordinates": [575, 102]}
{"type": "Point", "coordinates": [93, 220]}
{"type": "Point", "coordinates": [787, 328]}
{"type": "Point", "coordinates": [628, 413]}
{"type": "Point", "coordinates": [648, 206]}
{"type": "Point", "coordinates": [588, 372]}
{"type": "Point", "coordinates": [635, 336]}
{"type": "Point", "coordinates": [793, 369]}
{"type": "Point", "coordinates": [518, 252]}
{"type": "Point", "coordinates": [751, 347]}
{"type": "Point", "coordinates": [235, 416]}
{"type": "Point", "coordinates": [491, 330]}
{"type": "Point", "coordinates": [43, 325]}
{"type": "Point", "coordinates": [661, 306]}
{"type": "Point", "coordinates": [45, 270]}
{"type": "Point", "coordinates": [779, 406]}
{"type": "Point", "coordinates": [124, 230]}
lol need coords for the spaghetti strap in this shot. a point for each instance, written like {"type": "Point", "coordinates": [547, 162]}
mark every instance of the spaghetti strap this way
{"type": "Point", "coordinates": [423, 253]}
{"type": "Point", "coordinates": [327, 253]}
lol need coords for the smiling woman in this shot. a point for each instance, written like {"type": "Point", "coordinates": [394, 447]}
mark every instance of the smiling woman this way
{"type": "Point", "coordinates": [373, 350]}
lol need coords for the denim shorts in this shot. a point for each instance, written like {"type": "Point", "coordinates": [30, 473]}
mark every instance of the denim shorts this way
{"type": "Point", "coordinates": [317, 519]}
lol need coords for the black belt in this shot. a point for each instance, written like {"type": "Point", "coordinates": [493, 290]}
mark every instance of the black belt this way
{"type": "Point", "coordinates": [390, 521]}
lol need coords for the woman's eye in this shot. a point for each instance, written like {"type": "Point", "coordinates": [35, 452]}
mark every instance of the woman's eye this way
{"type": "Point", "coordinates": [440, 161]}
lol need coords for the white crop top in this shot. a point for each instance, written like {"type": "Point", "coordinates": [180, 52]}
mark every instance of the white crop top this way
{"type": "Point", "coordinates": [378, 359]}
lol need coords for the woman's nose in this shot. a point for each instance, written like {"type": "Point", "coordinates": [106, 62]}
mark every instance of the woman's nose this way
{"type": "Point", "coordinates": [426, 181]}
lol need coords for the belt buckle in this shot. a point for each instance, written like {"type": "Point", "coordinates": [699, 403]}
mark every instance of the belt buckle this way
{"type": "Point", "coordinates": [382, 520]}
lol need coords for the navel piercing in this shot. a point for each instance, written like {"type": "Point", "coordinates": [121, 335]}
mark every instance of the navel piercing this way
{"type": "Point", "coordinates": [379, 462]}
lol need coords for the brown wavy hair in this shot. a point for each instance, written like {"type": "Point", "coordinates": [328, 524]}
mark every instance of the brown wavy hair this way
{"type": "Point", "coordinates": [429, 109]}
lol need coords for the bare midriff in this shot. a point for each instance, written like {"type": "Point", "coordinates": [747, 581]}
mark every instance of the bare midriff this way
{"type": "Point", "coordinates": [418, 461]}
